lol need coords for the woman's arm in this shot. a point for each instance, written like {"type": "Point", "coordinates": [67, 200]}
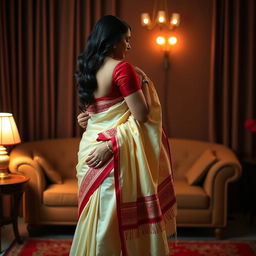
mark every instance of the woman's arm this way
{"type": "Point", "coordinates": [145, 90]}
{"type": "Point", "coordinates": [138, 105]}
{"type": "Point", "coordinates": [139, 102]}
{"type": "Point", "coordinates": [144, 85]}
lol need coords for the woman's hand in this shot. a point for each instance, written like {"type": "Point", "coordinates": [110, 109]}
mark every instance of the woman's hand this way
{"type": "Point", "coordinates": [83, 118]}
{"type": "Point", "coordinates": [100, 155]}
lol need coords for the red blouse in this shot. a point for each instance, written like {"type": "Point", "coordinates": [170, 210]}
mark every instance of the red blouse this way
{"type": "Point", "coordinates": [125, 81]}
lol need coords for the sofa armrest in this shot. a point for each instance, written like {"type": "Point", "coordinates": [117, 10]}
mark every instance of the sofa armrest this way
{"type": "Point", "coordinates": [229, 171]}
{"type": "Point", "coordinates": [22, 162]}
{"type": "Point", "coordinates": [216, 186]}
{"type": "Point", "coordinates": [31, 169]}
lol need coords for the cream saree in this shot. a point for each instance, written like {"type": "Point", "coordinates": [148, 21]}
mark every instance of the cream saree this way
{"type": "Point", "coordinates": [127, 207]}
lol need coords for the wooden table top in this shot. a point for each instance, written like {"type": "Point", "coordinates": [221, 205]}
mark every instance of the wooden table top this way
{"type": "Point", "coordinates": [14, 178]}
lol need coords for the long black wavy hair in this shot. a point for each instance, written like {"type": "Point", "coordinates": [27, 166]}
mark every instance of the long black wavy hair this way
{"type": "Point", "coordinates": [107, 31]}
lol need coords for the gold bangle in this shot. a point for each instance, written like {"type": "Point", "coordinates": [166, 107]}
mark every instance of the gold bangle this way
{"type": "Point", "coordinates": [109, 147]}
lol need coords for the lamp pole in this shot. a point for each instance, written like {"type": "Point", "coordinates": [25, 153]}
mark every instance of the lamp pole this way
{"type": "Point", "coordinates": [166, 61]}
{"type": "Point", "coordinates": [166, 66]}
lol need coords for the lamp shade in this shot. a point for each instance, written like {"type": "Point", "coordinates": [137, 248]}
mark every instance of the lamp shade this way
{"type": "Point", "coordinates": [9, 134]}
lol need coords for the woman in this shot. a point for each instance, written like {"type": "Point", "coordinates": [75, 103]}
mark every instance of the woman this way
{"type": "Point", "coordinates": [126, 200]}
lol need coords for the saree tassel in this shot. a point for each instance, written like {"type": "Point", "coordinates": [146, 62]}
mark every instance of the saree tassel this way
{"type": "Point", "coordinates": [170, 213]}
{"type": "Point", "coordinates": [144, 229]}
{"type": "Point", "coordinates": [169, 217]}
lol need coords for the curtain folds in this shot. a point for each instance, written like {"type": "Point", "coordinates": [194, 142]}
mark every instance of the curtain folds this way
{"type": "Point", "coordinates": [40, 41]}
{"type": "Point", "coordinates": [233, 81]}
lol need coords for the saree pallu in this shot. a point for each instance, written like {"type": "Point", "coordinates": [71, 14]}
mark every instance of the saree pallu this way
{"type": "Point", "coordinates": [128, 206]}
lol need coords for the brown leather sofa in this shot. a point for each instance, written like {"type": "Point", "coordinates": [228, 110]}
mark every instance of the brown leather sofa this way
{"type": "Point", "coordinates": [204, 204]}
{"type": "Point", "coordinates": [52, 202]}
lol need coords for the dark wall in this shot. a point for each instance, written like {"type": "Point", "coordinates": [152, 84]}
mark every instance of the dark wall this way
{"type": "Point", "coordinates": [184, 93]}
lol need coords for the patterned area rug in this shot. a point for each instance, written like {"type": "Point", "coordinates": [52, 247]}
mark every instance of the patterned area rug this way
{"type": "Point", "coordinates": [213, 248]}
{"type": "Point", "coordinates": [60, 247]}
{"type": "Point", "coordinates": [40, 247]}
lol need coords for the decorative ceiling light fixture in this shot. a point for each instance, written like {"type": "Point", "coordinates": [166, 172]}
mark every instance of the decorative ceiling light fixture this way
{"type": "Point", "coordinates": [160, 17]}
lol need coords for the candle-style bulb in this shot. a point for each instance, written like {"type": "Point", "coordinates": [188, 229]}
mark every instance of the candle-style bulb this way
{"type": "Point", "coordinates": [145, 19]}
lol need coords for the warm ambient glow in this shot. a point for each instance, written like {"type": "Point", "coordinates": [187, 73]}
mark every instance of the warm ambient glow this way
{"type": "Point", "coordinates": [172, 40]}
{"type": "Point", "coordinates": [160, 40]}
{"type": "Point", "coordinates": [9, 135]}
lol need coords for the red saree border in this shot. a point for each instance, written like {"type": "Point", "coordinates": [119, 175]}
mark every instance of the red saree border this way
{"type": "Point", "coordinates": [95, 176]}
{"type": "Point", "coordinates": [118, 194]}
{"type": "Point", "coordinates": [166, 193]}
{"type": "Point", "coordinates": [144, 211]}
{"type": "Point", "coordinates": [148, 209]}
{"type": "Point", "coordinates": [103, 105]}
{"type": "Point", "coordinates": [111, 134]}
{"type": "Point", "coordinates": [107, 135]}
{"type": "Point", "coordinates": [167, 143]}
{"type": "Point", "coordinates": [91, 181]}
{"type": "Point", "coordinates": [168, 148]}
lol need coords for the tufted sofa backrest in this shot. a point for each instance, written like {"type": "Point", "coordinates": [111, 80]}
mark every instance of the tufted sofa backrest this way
{"type": "Point", "coordinates": [185, 152]}
{"type": "Point", "coordinates": [61, 153]}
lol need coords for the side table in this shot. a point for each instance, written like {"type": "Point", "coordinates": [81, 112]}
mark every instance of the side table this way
{"type": "Point", "coordinates": [14, 185]}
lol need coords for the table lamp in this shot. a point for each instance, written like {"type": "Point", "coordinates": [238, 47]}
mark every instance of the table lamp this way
{"type": "Point", "coordinates": [9, 135]}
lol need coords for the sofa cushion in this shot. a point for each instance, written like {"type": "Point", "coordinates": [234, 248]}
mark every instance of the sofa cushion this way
{"type": "Point", "coordinates": [49, 170]}
{"type": "Point", "coordinates": [190, 197]}
{"type": "Point", "coordinates": [200, 167]}
{"type": "Point", "coordinates": [61, 194]}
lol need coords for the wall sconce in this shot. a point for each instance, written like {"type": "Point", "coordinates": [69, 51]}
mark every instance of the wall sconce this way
{"type": "Point", "coordinates": [160, 17]}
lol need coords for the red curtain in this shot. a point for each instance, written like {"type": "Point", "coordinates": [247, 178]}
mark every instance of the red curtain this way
{"type": "Point", "coordinates": [40, 41]}
{"type": "Point", "coordinates": [233, 79]}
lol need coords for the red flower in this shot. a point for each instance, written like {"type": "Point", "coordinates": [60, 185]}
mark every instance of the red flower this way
{"type": "Point", "coordinates": [250, 125]}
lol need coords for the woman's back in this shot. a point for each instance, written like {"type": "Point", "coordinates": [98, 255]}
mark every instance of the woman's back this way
{"type": "Point", "coordinates": [118, 78]}
{"type": "Point", "coordinates": [104, 78]}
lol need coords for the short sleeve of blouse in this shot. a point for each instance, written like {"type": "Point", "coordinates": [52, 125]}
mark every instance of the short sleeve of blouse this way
{"type": "Point", "coordinates": [126, 79]}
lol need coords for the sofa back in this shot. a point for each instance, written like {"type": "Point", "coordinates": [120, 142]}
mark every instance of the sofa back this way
{"type": "Point", "coordinates": [60, 153]}
{"type": "Point", "coordinates": [185, 152]}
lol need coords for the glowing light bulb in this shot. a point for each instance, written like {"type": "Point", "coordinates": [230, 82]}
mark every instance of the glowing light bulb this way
{"type": "Point", "coordinates": [175, 20]}
{"type": "Point", "coordinates": [160, 40]}
{"type": "Point", "coordinates": [161, 17]}
{"type": "Point", "coordinates": [145, 19]}
{"type": "Point", "coordinates": [172, 40]}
